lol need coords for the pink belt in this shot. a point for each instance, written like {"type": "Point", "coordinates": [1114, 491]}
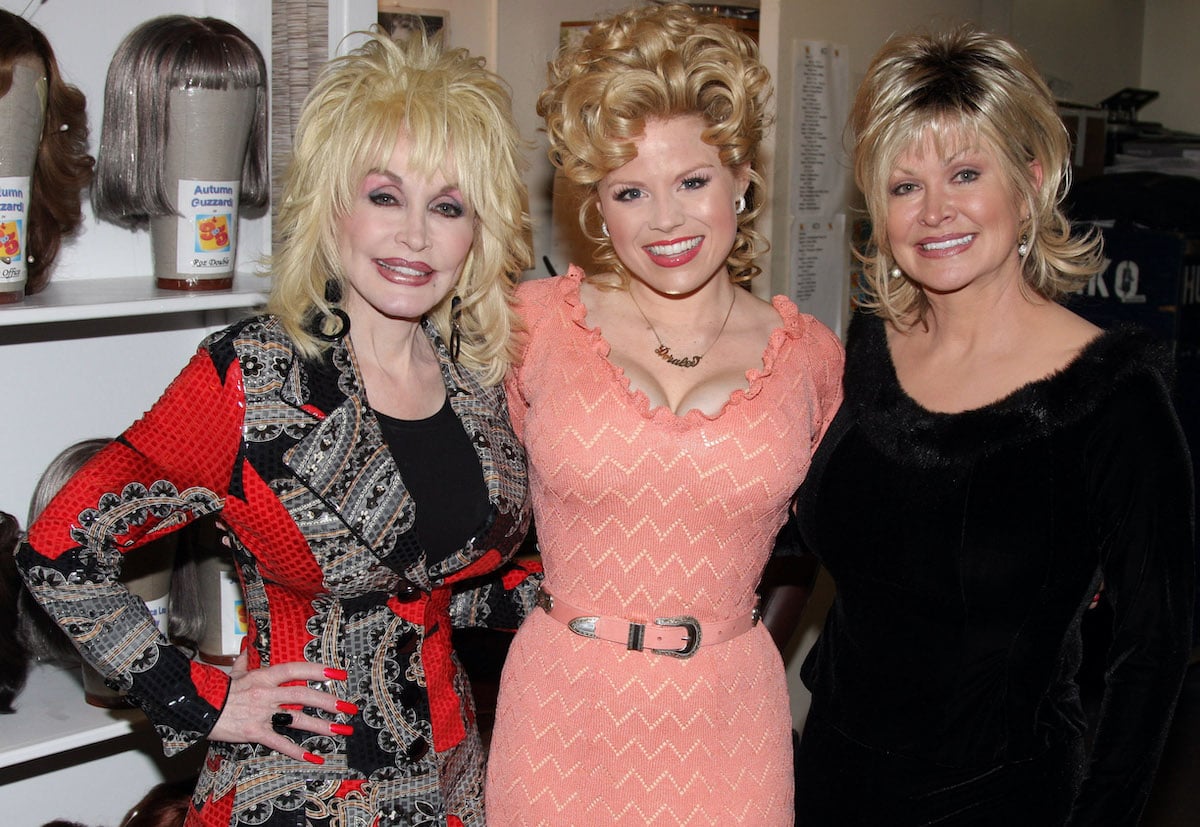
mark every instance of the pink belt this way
{"type": "Point", "coordinates": [677, 637]}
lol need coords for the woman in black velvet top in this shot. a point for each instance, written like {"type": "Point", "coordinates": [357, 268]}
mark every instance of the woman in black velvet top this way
{"type": "Point", "coordinates": [995, 460]}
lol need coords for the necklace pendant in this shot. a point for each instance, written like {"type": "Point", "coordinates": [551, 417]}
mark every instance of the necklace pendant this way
{"type": "Point", "coordinates": [663, 352]}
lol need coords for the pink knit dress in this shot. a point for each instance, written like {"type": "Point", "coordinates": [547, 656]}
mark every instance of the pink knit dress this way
{"type": "Point", "coordinates": [642, 514]}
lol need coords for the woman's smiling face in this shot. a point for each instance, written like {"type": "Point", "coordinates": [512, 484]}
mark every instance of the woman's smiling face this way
{"type": "Point", "coordinates": [953, 221]}
{"type": "Point", "coordinates": [404, 243]}
{"type": "Point", "coordinates": [670, 211]}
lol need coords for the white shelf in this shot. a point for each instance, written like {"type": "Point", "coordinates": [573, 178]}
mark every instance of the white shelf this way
{"type": "Point", "coordinates": [53, 717]}
{"type": "Point", "coordinates": [79, 299]}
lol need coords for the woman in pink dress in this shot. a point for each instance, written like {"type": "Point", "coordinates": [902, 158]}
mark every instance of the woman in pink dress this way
{"type": "Point", "coordinates": [668, 415]}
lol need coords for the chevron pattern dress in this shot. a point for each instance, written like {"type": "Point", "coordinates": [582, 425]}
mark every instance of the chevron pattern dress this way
{"type": "Point", "coordinates": [642, 514]}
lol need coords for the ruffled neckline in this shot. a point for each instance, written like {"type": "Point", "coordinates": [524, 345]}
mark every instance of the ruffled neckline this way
{"type": "Point", "coordinates": [569, 288]}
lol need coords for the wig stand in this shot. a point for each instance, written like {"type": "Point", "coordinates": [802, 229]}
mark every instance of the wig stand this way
{"type": "Point", "coordinates": [22, 112]}
{"type": "Point", "coordinates": [208, 131]}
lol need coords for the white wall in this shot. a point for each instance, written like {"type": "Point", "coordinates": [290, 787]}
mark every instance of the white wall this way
{"type": "Point", "coordinates": [1169, 63]}
{"type": "Point", "coordinates": [1087, 49]}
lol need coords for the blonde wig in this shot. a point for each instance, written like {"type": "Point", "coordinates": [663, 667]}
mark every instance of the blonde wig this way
{"type": "Point", "coordinates": [457, 117]}
{"type": "Point", "coordinates": [966, 89]}
{"type": "Point", "coordinates": [163, 54]}
{"type": "Point", "coordinates": [649, 63]}
{"type": "Point", "coordinates": [63, 167]}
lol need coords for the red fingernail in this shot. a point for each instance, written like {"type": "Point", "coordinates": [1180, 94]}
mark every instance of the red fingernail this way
{"type": "Point", "coordinates": [347, 707]}
{"type": "Point", "coordinates": [313, 759]}
{"type": "Point", "coordinates": [341, 729]}
{"type": "Point", "coordinates": [335, 674]}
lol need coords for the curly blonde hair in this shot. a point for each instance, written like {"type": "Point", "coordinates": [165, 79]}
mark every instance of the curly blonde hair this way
{"type": "Point", "coordinates": [966, 86]}
{"type": "Point", "coordinates": [453, 111]}
{"type": "Point", "coordinates": [650, 63]}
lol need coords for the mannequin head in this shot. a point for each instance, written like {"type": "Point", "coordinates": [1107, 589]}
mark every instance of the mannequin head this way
{"type": "Point", "coordinates": [61, 166]}
{"type": "Point", "coordinates": [166, 55]}
{"type": "Point", "coordinates": [40, 636]}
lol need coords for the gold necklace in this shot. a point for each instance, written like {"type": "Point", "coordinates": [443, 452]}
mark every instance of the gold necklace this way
{"type": "Point", "coordinates": [663, 352]}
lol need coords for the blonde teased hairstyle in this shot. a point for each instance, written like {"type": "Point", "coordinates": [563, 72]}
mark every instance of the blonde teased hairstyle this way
{"type": "Point", "coordinates": [966, 86]}
{"type": "Point", "coordinates": [165, 53]}
{"type": "Point", "coordinates": [455, 114]}
{"type": "Point", "coordinates": [652, 63]}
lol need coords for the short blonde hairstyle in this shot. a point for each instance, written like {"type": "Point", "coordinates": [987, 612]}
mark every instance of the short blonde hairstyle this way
{"type": "Point", "coordinates": [951, 87]}
{"type": "Point", "coordinates": [649, 63]}
{"type": "Point", "coordinates": [456, 114]}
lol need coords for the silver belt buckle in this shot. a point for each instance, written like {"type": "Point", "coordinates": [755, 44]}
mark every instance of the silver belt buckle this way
{"type": "Point", "coordinates": [693, 632]}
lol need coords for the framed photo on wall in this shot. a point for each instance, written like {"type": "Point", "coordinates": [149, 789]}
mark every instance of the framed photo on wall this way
{"type": "Point", "coordinates": [401, 21]}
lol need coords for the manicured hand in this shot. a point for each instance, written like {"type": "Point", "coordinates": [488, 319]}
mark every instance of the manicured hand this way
{"type": "Point", "coordinates": [261, 703]}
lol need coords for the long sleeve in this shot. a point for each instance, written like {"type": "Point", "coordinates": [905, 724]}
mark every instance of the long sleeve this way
{"type": "Point", "coordinates": [169, 467]}
{"type": "Point", "coordinates": [1141, 485]}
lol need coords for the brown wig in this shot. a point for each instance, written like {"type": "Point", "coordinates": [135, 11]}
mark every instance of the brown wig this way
{"type": "Point", "coordinates": [14, 660]}
{"type": "Point", "coordinates": [63, 167]}
{"type": "Point", "coordinates": [171, 52]}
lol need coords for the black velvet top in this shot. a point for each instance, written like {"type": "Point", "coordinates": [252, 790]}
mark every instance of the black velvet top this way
{"type": "Point", "coordinates": [965, 549]}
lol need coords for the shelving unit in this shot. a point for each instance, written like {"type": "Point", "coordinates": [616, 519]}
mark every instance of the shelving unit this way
{"type": "Point", "coordinates": [84, 299]}
{"type": "Point", "coordinates": [54, 718]}
{"type": "Point", "coordinates": [85, 358]}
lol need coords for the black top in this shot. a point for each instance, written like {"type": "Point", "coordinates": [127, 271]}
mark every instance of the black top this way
{"type": "Point", "coordinates": [965, 549]}
{"type": "Point", "coordinates": [442, 474]}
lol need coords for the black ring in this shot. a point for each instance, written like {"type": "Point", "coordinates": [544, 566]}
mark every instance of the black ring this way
{"type": "Point", "coordinates": [281, 719]}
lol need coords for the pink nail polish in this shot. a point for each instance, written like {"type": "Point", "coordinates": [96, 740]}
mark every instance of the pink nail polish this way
{"type": "Point", "coordinates": [347, 707]}
{"type": "Point", "coordinates": [335, 674]}
{"type": "Point", "coordinates": [341, 729]}
{"type": "Point", "coordinates": [313, 759]}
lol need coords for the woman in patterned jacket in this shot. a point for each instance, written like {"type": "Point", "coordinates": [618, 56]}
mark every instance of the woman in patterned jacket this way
{"type": "Point", "coordinates": [354, 441]}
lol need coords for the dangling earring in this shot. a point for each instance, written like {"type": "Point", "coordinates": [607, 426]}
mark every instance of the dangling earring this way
{"type": "Point", "coordinates": [739, 206]}
{"type": "Point", "coordinates": [333, 294]}
{"type": "Point", "coordinates": [455, 329]}
{"type": "Point", "coordinates": [604, 228]}
{"type": "Point", "coordinates": [1023, 246]}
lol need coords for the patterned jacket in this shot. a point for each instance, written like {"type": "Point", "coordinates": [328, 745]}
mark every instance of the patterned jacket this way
{"type": "Point", "coordinates": [322, 532]}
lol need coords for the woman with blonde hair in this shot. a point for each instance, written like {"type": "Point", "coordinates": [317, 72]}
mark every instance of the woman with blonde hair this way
{"type": "Point", "coordinates": [996, 459]}
{"type": "Point", "coordinates": [355, 443]}
{"type": "Point", "coordinates": [669, 415]}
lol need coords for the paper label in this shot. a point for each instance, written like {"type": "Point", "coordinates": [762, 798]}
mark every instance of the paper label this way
{"type": "Point", "coordinates": [233, 613]}
{"type": "Point", "coordinates": [14, 209]}
{"type": "Point", "coordinates": [160, 610]}
{"type": "Point", "coordinates": [207, 226]}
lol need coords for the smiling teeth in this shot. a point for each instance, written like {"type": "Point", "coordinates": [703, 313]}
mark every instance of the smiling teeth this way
{"type": "Point", "coordinates": [674, 249]}
{"type": "Point", "coordinates": [404, 271]}
{"type": "Point", "coordinates": [946, 245]}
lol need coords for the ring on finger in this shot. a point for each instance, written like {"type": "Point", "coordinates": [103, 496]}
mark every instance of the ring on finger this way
{"type": "Point", "coordinates": [281, 719]}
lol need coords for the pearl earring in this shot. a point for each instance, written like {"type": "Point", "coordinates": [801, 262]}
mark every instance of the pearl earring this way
{"type": "Point", "coordinates": [739, 206]}
{"type": "Point", "coordinates": [1023, 246]}
{"type": "Point", "coordinates": [604, 228]}
{"type": "Point", "coordinates": [895, 272]}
